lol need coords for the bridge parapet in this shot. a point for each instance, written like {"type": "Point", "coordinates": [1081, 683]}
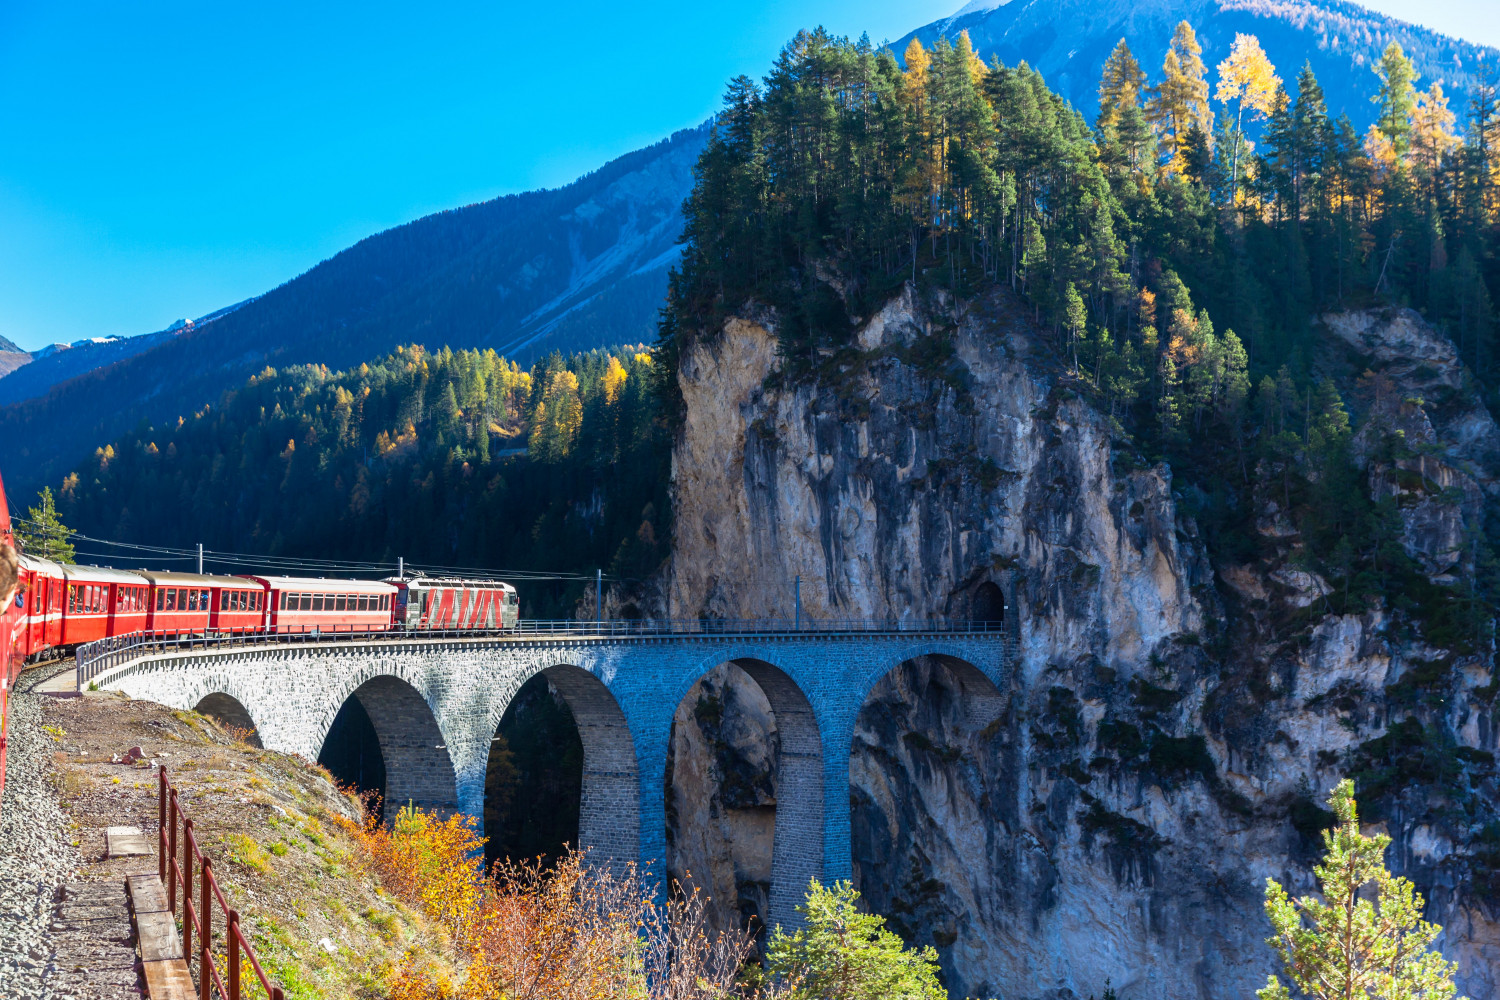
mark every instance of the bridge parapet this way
{"type": "Point", "coordinates": [623, 689]}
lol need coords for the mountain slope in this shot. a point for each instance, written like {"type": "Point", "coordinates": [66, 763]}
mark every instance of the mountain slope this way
{"type": "Point", "coordinates": [570, 268]}
{"type": "Point", "coordinates": [1068, 41]}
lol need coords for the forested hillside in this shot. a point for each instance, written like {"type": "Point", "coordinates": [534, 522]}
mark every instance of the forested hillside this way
{"type": "Point", "coordinates": [1182, 270]}
{"type": "Point", "coordinates": [569, 269]}
{"type": "Point", "coordinates": [1067, 40]}
{"type": "Point", "coordinates": [446, 458]}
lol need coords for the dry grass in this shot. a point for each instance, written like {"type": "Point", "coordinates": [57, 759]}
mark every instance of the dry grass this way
{"type": "Point", "coordinates": [276, 830]}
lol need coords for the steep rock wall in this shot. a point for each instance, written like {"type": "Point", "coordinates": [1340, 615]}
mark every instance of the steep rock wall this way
{"type": "Point", "coordinates": [1166, 739]}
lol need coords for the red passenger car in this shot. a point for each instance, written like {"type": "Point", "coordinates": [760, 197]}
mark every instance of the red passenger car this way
{"type": "Point", "coordinates": [89, 611]}
{"type": "Point", "coordinates": [180, 602]}
{"type": "Point", "coordinates": [239, 605]}
{"type": "Point", "coordinates": [307, 605]}
{"type": "Point", "coordinates": [40, 601]}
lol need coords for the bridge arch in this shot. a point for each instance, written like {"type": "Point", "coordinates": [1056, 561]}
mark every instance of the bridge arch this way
{"type": "Point", "coordinates": [609, 811]}
{"type": "Point", "coordinates": [416, 765]}
{"type": "Point", "coordinates": [926, 780]}
{"type": "Point", "coordinates": [797, 840]}
{"type": "Point", "coordinates": [229, 712]}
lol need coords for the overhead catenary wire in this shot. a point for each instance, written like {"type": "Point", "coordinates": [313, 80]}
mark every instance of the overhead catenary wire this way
{"type": "Point", "coordinates": [294, 565]}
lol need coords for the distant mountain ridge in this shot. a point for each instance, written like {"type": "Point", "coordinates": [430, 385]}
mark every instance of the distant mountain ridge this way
{"type": "Point", "coordinates": [35, 374]}
{"type": "Point", "coordinates": [569, 269]}
{"type": "Point", "coordinates": [1068, 41]}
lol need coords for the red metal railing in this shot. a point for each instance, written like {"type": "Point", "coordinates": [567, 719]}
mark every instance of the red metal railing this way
{"type": "Point", "coordinates": [197, 921]}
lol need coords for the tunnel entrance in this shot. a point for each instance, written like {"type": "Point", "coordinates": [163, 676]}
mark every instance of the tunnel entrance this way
{"type": "Point", "coordinates": [351, 751]}
{"type": "Point", "coordinates": [533, 785]}
{"type": "Point", "coordinates": [232, 716]}
{"type": "Point", "coordinates": [988, 606]}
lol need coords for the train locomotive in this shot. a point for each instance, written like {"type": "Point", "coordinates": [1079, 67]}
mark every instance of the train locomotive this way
{"type": "Point", "coordinates": [57, 608]}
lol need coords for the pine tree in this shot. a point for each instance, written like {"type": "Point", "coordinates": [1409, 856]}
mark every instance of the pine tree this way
{"type": "Point", "coordinates": [1355, 943]}
{"type": "Point", "coordinates": [1483, 134]}
{"type": "Point", "coordinates": [42, 534]}
{"type": "Point", "coordinates": [841, 953]}
{"type": "Point", "coordinates": [1397, 98]}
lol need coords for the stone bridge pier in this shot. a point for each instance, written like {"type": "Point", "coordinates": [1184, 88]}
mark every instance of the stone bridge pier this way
{"type": "Point", "coordinates": [436, 704]}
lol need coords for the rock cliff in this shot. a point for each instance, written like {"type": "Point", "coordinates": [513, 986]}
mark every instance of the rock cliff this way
{"type": "Point", "coordinates": [1173, 721]}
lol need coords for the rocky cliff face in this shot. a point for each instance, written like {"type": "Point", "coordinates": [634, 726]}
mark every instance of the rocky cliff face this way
{"type": "Point", "coordinates": [1171, 727]}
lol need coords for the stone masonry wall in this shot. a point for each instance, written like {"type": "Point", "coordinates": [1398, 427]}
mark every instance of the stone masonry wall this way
{"type": "Point", "coordinates": [622, 692]}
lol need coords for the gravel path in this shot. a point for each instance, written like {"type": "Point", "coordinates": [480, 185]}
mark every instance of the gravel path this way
{"type": "Point", "coordinates": [36, 856]}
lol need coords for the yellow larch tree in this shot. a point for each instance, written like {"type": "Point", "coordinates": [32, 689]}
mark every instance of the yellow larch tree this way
{"type": "Point", "coordinates": [1180, 102]}
{"type": "Point", "coordinates": [917, 60]}
{"type": "Point", "coordinates": [976, 65]}
{"type": "Point", "coordinates": [614, 380]}
{"type": "Point", "coordinates": [1120, 85]}
{"type": "Point", "coordinates": [1433, 137]}
{"type": "Point", "coordinates": [1249, 81]}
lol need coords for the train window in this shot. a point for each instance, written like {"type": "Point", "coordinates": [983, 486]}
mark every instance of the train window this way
{"type": "Point", "coordinates": [283, 600]}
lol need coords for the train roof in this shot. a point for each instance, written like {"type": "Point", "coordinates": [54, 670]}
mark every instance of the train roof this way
{"type": "Point", "coordinates": [37, 565]}
{"type": "Point", "coordinates": [194, 579]}
{"type": "Point", "coordinates": [317, 584]}
{"type": "Point", "coordinates": [446, 581]}
{"type": "Point", "coordinates": [100, 574]}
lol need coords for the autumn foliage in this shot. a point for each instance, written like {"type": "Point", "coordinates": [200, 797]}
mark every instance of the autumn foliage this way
{"type": "Point", "coordinates": [578, 931]}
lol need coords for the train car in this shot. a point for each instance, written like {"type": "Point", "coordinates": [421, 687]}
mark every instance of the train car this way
{"type": "Point", "coordinates": [39, 600]}
{"type": "Point", "coordinates": [238, 605]}
{"type": "Point", "coordinates": [180, 602]}
{"type": "Point", "coordinates": [301, 604]}
{"type": "Point", "coordinates": [468, 605]}
{"type": "Point", "coordinates": [129, 606]}
{"type": "Point", "coordinates": [89, 604]}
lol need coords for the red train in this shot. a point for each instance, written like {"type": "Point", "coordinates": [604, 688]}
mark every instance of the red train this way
{"type": "Point", "coordinates": [59, 607]}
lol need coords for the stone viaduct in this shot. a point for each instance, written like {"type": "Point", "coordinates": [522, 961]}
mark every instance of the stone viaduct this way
{"type": "Point", "coordinates": [437, 703]}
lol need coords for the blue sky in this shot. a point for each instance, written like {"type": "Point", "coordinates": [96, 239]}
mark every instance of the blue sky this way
{"type": "Point", "coordinates": [162, 159]}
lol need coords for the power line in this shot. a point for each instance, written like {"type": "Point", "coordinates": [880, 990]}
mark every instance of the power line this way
{"type": "Point", "coordinates": [298, 564]}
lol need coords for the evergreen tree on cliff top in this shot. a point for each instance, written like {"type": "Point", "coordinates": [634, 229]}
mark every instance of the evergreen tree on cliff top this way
{"type": "Point", "coordinates": [1355, 944]}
